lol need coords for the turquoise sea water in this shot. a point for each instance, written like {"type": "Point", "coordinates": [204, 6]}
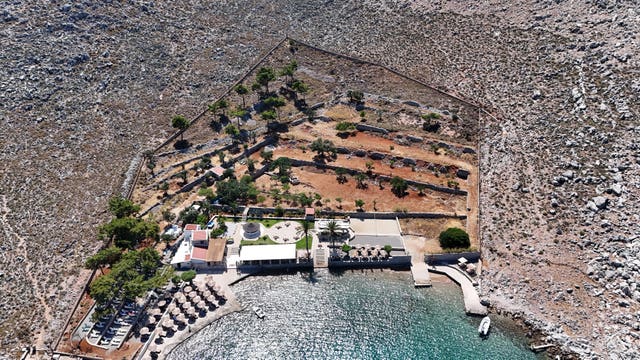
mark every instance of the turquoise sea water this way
{"type": "Point", "coordinates": [351, 315]}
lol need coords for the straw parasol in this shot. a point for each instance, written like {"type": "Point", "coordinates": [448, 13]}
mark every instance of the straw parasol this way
{"type": "Point", "coordinates": [155, 312]}
{"type": "Point", "coordinates": [153, 348]}
{"type": "Point", "coordinates": [211, 284]}
{"type": "Point", "coordinates": [144, 331]}
{"type": "Point", "coordinates": [201, 287]}
{"type": "Point", "coordinates": [175, 311]}
{"type": "Point", "coordinates": [161, 303]}
{"type": "Point", "coordinates": [192, 294]}
{"type": "Point", "coordinates": [186, 306]}
{"type": "Point", "coordinates": [171, 306]}
{"type": "Point", "coordinates": [197, 299]}
{"type": "Point", "coordinates": [211, 299]}
{"type": "Point", "coordinates": [151, 320]}
{"type": "Point", "coordinates": [162, 333]}
{"type": "Point", "coordinates": [191, 312]}
{"type": "Point", "coordinates": [188, 289]}
{"type": "Point", "coordinates": [181, 300]}
{"type": "Point", "coordinates": [181, 318]}
{"type": "Point", "coordinates": [206, 294]}
{"type": "Point", "coordinates": [167, 323]}
{"type": "Point", "coordinates": [201, 305]}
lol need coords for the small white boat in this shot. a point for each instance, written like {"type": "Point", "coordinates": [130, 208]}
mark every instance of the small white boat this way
{"type": "Point", "coordinates": [258, 311]}
{"type": "Point", "coordinates": [485, 324]}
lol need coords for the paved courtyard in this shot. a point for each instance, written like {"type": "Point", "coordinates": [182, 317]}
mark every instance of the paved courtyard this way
{"type": "Point", "coordinates": [375, 227]}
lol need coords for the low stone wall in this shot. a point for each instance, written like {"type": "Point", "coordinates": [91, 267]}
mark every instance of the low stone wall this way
{"type": "Point", "coordinates": [451, 258]}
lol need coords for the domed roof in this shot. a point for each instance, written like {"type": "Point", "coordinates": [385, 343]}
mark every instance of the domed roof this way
{"type": "Point", "coordinates": [251, 227]}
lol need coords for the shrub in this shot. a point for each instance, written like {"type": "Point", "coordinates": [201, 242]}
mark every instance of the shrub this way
{"type": "Point", "coordinates": [187, 276]}
{"type": "Point", "coordinates": [279, 211]}
{"type": "Point", "coordinates": [388, 248]}
{"type": "Point", "coordinates": [346, 247]}
{"type": "Point", "coordinates": [345, 126]}
{"type": "Point", "coordinates": [454, 238]}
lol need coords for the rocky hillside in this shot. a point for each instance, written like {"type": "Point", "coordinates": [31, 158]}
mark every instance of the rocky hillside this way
{"type": "Point", "coordinates": [86, 86]}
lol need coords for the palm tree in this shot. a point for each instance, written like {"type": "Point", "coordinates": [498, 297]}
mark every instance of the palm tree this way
{"type": "Point", "coordinates": [332, 226]}
{"type": "Point", "coordinates": [305, 227]}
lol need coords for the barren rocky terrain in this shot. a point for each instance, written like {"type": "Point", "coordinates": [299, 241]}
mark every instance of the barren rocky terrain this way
{"type": "Point", "coordinates": [87, 86]}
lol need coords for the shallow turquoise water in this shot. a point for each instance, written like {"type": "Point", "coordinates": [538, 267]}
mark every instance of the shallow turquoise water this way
{"type": "Point", "coordinates": [352, 315]}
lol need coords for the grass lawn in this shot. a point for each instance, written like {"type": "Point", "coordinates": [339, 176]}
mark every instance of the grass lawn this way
{"type": "Point", "coordinates": [260, 241]}
{"type": "Point", "coordinates": [301, 244]}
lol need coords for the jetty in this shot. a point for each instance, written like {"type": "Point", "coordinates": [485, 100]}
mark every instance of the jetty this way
{"type": "Point", "coordinates": [472, 305]}
{"type": "Point", "coordinates": [420, 273]}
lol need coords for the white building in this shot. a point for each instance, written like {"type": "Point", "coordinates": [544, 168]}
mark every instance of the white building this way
{"type": "Point", "coordinates": [268, 254]}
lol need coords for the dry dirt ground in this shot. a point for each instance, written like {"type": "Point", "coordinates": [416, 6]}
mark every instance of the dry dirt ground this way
{"type": "Point", "coordinates": [86, 87]}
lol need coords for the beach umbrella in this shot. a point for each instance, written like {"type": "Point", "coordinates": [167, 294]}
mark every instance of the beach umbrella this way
{"type": "Point", "coordinates": [211, 284]}
{"type": "Point", "coordinates": [171, 306]}
{"type": "Point", "coordinates": [161, 303]}
{"type": "Point", "coordinates": [217, 288]}
{"type": "Point", "coordinates": [211, 299]}
{"type": "Point", "coordinates": [206, 294]}
{"type": "Point", "coordinates": [192, 294]}
{"type": "Point", "coordinates": [156, 312]}
{"type": "Point", "coordinates": [181, 318]}
{"type": "Point", "coordinates": [191, 312]}
{"type": "Point", "coordinates": [153, 348]}
{"type": "Point", "coordinates": [188, 289]}
{"type": "Point", "coordinates": [167, 323]}
{"type": "Point", "coordinates": [182, 300]}
{"type": "Point", "coordinates": [201, 287]}
{"type": "Point", "coordinates": [186, 306]}
{"type": "Point", "coordinates": [162, 333]}
{"type": "Point", "coordinates": [175, 311]}
{"type": "Point", "coordinates": [144, 331]}
{"type": "Point", "coordinates": [201, 305]}
{"type": "Point", "coordinates": [197, 299]}
{"type": "Point", "coordinates": [151, 320]}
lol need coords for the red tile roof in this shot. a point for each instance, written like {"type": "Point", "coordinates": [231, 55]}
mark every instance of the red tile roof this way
{"type": "Point", "coordinates": [199, 235]}
{"type": "Point", "coordinates": [199, 253]}
{"type": "Point", "coordinates": [218, 171]}
{"type": "Point", "coordinates": [309, 211]}
{"type": "Point", "coordinates": [192, 227]}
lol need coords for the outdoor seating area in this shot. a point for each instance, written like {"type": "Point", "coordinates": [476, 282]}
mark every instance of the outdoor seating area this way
{"type": "Point", "coordinates": [178, 310]}
{"type": "Point", "coordinates": [363, 253]}
{"type": "Point", "coordinates": [111, 331]}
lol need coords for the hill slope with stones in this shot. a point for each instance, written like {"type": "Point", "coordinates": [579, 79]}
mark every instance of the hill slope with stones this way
{"type": "Point", "coordinates": [86, 87]}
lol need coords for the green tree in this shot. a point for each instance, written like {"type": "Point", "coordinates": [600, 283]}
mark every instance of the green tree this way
{"type": "Point", "coordinates": [361, 181]}
{"type": "Point", "coordinates": [264, 76]}
{"type": "Point", "coordinates": [232, 131]}
{"type": "Point", "coordinates": [121, 207]}
{"type": "Point", "coordinates": [275, 102]}
{"type": "Point", "coordinates": [332, 227]}
{"type": "Point", "coordinates": [359, 204]}
{"type": "Point", "coordinates": [341, 175]}
{"type": "Point", "coordinates": [103, 289]}
{"type": "Point", "coordinates": [242, 91]}
{"type": "Point", "coordinates": [289, 70]}
{"type": "Point", "coordinates": [355, 96]}
{"type": "Point", "coordinates": [398, 186]}
{"type": "Point", "coordinates": [251, 165]}
{"type": "Point", "coordinates": [283, 165]}
{"type": "Point", "coordinates": [181, 123]}
{"type": "Point", "coordinates": [268, 115]}
{"type": "Point", "coordinates": [239, 113]}
{"type": "Point", "coordinates": [187, 276]}
{"type": "Point", "coordinates": [454, 238]}
{"type": "Point", "coordinates": [300, 87]}
{"type": "Point", "coordinates": [306, 225]}
{"type": "Point", "coordinates": [344, 126]}
{"type": "Point", "coordinates": [104, 257]}
{"type": "Point", "coordinates": [221, 104]}
{"type": "Point", "coordinates": [369, 165]}
{"type": "Point", "coordinates": [127, 232]}
{"type": "Point", "coordinates": [231, 191]}
{"type": "Point", "coordinates": [266, 155]}
{"type": "Point", "coordinates": [322, 146]}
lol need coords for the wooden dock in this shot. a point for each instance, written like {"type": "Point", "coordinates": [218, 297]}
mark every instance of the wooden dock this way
{"type": "Point", "coordinates": [420, 272]}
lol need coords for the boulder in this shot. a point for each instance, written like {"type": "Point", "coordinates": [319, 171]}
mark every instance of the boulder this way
{"type": "Point", "coordinates": [377, 156]}
{"type": "Point", "coordinates": [616, 189]}
{"type": "Point", "coordinates": [462, 174]}
{"type": "Point", "coordinates": [600, 202]}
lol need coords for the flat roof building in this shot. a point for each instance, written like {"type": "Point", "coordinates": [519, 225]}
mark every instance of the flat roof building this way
{"type": "Point", "coordinates": [268, 254]}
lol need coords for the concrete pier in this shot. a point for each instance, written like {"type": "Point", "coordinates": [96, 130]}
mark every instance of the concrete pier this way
{"type": "Point", "coordinates": [420, 274]}
{"type": "Point", "coordinates": [472, 303]}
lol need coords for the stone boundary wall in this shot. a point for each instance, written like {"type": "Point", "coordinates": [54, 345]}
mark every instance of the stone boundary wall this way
{"type": "Point", "coordinates": [451, 258]}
